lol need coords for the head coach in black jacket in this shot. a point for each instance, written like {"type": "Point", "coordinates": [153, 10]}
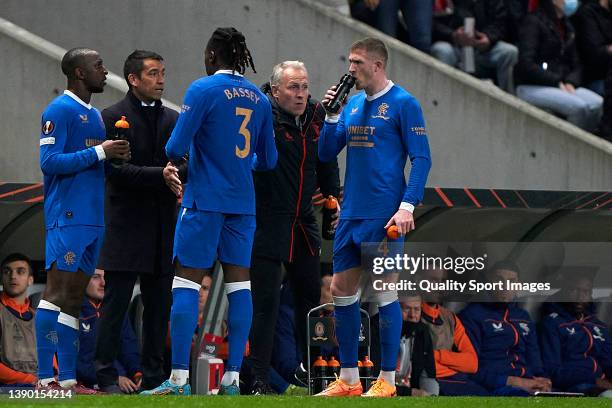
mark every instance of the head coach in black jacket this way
{"type": "Point", "coordinates": [140, 213]}
{"type": "Point", "coordinates": [287, 232]}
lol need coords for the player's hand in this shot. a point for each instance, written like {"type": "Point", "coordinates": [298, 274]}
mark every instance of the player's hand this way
{"type": "Point", "coordinates": [404, 221]}
{"type": "Point", "coordinates": [417, 392]}
{"type": "Point", "coordinates": [604, 383]}
{"type": "Point", "coordinates": [371, 4]}
{"type": "Point", "coordinates": [126, 385]}
{"type": "Point", "coordinates": [171, 177]}
{"type": "Point", "coordinates": [543, 384]}
{"type": "Point", "coordinates": [327, 98]}
{"type": "Point", "coordinates": [117, 149]}
{"type": "Point", "coordinates": [336, 216]}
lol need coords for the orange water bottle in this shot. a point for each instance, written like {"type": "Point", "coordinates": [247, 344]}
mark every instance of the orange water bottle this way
{"type": "Point", "coordinates": [329, 210]}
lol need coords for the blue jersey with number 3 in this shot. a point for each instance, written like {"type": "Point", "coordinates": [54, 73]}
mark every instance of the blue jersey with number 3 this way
{"type": "Point", "coordinates": [226, 127]}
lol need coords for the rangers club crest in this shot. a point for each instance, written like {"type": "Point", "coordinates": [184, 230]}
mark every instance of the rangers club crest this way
{"type": "Point", "coordinates": [319, 331]}
{"type": "Point", "coordinates": [48, 127]}
{"type": "Point", "coordinates": [70, 258]}
{"type": "Point", "coordinates": [382, 111]}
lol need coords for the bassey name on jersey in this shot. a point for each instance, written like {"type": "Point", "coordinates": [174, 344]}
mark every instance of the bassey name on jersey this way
{"type": "Point", "coordinates": [231, 93]}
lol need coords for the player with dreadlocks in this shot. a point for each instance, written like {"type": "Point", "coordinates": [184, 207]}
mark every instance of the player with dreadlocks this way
{"type": "Point", "coordinates": [226, 126]}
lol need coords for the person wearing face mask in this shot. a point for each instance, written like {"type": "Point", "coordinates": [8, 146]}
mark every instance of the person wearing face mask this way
{"type": "Point", "coordinates": [549, 71]}
{"type": "Point", "coordinates": [576, 346]}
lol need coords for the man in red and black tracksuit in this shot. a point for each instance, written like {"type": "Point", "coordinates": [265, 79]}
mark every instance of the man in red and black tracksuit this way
{"type": "Point", "coordinates": [287, 232]}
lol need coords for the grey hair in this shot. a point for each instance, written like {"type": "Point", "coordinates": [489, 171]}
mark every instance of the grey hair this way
{"type": "Point", "coordinates": [277, 71]}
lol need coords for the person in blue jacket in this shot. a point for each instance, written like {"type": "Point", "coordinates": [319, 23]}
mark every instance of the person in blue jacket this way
{"type": "Point", "coordinates": [504, 337]}
{"type": "Point", "coordinates": [576, 345]}
{"type": "Point", "coordinates": [128, 360]}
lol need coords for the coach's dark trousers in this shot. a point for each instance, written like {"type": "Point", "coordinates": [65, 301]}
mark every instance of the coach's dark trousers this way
{"type": "Point", "coordinates": [156, 293]}
{"type": "Point", "coordinates": [266, 275]}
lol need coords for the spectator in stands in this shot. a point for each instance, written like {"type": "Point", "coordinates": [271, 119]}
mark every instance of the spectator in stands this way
{"type": "Point", "coordinates": [593, 22]}
{"type": "Point", "coordinates": [491, 52]}
{"type": "Point", "coordinates": [287, 232]}
{"type": "Point", "coordinates": [576, 346]}
{"type": "Point", "coordinates": [454, 354]}
{"type": "Point", "coordinates": [416, 353]}
{"type": "Point", "coordinates": [549, 72]}
{"type": "Point", "coordinates": [17, 337]}
{"type": "Point", "coordinates": [517, 10]}
{"type": "Point", "coordinates": [140, 214]}
{"type": "Point", "coordinates": [505, 339]}
{"type": "Point", "coordinates": [594, 35]}
{"type": "Point", "coordinates": [127, 362]}
{"type": "Point", "coordinates": [383, 15]}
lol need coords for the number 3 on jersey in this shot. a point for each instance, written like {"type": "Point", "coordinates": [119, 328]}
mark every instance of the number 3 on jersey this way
{"type": "Point", "coordinates": [242, 153]}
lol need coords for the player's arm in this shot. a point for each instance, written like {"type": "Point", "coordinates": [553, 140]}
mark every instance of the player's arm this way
{"type": "Point", "coordinates": [485, 376]}
{"type": "Point", "coordinates": [53, 159]}
{"type": "Point", "coordinates": [464, 359]}
{"type": "Point", "coordinates": [53, 137]}
{"type": "Point", "coordinates": [328, 174]}
{"type": "Point", "coordinates": [129, 356]}
{"type": "Point", "coordinates": [414, 140]}
{"type": "Point", "coordinates": [189, 121]}
{"type": "Point", "coordinates": [266, 155]}
{"type": "Point", "coordinates": [332, 138]}
{"type": "Point", "coordinates": [130, 175]}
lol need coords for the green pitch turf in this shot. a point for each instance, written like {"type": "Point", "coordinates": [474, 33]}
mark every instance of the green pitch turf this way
{"type": "Point", "coordinates": [306, 402]}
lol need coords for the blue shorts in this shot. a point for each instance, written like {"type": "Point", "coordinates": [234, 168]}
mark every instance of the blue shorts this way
{"type": "Point", "coordinates": [351, 234]}
{"type": "Point", "coordinates": [74, 247]}
{"type": "Point", "coordinates": [203, 236]}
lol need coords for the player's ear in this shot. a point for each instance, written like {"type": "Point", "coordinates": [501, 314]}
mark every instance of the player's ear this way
{"type": "Point", "coordinates": [79, 73]}
{"type": "Point", "coordinates": [132, 79]}
{"type": "Point", "coordinates": [211, 57]}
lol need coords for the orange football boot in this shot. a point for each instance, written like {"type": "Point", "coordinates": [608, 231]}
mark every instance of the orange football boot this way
{"type": "Point", "coordinates": [381, 389]}
{"type": "Point", "coordinates": [339, 388]}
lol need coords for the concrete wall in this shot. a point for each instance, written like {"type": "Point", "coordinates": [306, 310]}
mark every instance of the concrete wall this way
{"type": "Point", "coordinates": [480, 136]}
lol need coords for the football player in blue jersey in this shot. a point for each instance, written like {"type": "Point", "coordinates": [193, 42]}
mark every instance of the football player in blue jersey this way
{"type": "Point", "coordinates": [226, 126]}
{"type": "Point", "coordinates": [72, 151]}
{"type": "Point", "coordinates": [381, 128]}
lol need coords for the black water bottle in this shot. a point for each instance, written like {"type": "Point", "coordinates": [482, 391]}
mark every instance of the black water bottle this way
{"type": "Point", "coordinates": [329, 210]}
{"type": "Point", "coordinates": [319, 380]}
{"type": "Point", "coordinates": [342, 90]}
{"type": "Point", "coordinates": [121, 133]}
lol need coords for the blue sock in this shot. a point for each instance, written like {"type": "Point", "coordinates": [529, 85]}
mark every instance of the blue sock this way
{"type": "Point", "coordinates": [390, 319]}
{"type": "Point", "coordinates": [183, 322]}
{"type": "Point", "coordinates": [67, 346]}
{"type": "Point", "coordinates": [45, 323]}
{"type": "Point", "coordinates": [239, 317]}
{"type": "Point", "coordinates": [348, 324]}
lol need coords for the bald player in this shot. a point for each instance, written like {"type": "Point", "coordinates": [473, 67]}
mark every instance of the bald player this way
{"type": "Point", "coordinates": [72, 151]}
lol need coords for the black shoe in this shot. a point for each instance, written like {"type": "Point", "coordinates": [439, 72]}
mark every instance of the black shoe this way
{"type": "Point", "coordinates": [111, 389]}
{"type": "Point", "coordinates": [261, 388]}
{"type": "Point", "coordinates": [301, 376]}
